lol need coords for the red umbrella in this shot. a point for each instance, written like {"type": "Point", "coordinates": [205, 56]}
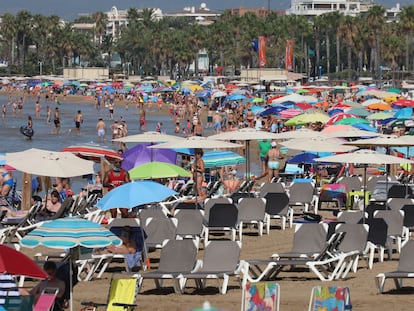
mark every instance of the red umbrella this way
{"type": "Point", "coordinates": [404, 103]}
{"type": "Point", "coordinates": [339, 116]}
{"type": "Point", "coordinates": [94, 153]}
{"type": "Point", "coordinates": [16, 263]}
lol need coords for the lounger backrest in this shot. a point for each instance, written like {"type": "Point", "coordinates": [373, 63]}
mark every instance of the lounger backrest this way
{"type": "Point", "coordinates": [122, 291]}
{"type": "Point", "coordinates": [356, 237]}
{"type": "Point", "coordinates": [408, 210]}
{"type": "Point", "coordinates": [351, 217]}
{"type": "Point", "coordinates": [394, 220]}
{"type": "Point", "coordinates": [398, 203]}
{"type": "Point", "coordinates": [190, 222]}
{"type": "Point", "coordinates": [221, 256]}
{"type": "Point", "coordinates": [178, 256]}
{"type": "Point", "coordinates": [46, 299]}
{"type": "Point", "coordinates": [223, 215]}
{"type": "Point", "coordinates": [209, 203]}
{"type": "Point", "coordinates": [353, 183]}
{"type": "Point", "coordinates": [406, 262]}
{"type": "Point", "coordinates": [301, 192]}
{"type": "Point", "coordinates": [378, 228]}
{"type": "Point", "coordinates": [158, 230]}
{"type": "Point", "coordinates": [309, 238]}
{"type": "Point", "coordinates": [251, 209]}
{"type": "Point", "coordinates": [277, 203]}
{"type": "Point", "coordinates": [271, 187]}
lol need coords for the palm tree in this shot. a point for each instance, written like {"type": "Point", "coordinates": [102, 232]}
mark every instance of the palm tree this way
{"type": "Point", "coordinates": [24, 26]}
{"type": "Point", "coordinates": [101, 20]}
{"type": "Point", "coordinates": [8, 35]}
{"type": "Point", "coordinates": [376, 20]}
{"type": "Point", "coordinates": [406, 23]}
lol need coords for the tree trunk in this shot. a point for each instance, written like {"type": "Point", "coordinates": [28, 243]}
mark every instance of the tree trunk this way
{"type": "Point", "coordinates": [349, 53]}
{"type": "Point", "coordinates": [338, 53]}
{"type": "Point", "coordinates": [328, 54]}
{"type": "Point", "coordinates": [407, 52]}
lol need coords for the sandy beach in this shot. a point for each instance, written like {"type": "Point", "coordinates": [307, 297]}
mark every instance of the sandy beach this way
{"type": "Point", "coordinates": [295, 286]}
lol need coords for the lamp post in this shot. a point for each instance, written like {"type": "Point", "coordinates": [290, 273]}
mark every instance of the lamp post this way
{"type": "Point", "coordinates": [40, 67]}
{"type": "Point", "coordinates": [320, 72]}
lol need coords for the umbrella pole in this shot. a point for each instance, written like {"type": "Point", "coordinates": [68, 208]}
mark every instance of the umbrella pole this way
{"type": "Point", "coordinates": [70, 284]}
{"type": "Point", "coordinates": [365, 191]}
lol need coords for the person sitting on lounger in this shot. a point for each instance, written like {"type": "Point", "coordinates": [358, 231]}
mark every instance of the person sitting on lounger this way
{"type": "Point", "coordinates": [128, 245]}
{"type": "Point", "coordinates": [52, 282]}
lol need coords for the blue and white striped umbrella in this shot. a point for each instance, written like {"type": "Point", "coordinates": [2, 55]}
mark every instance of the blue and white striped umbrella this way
{"type": "Point", "coordinates": [218, 158]}
{"type": "Point", "coordinates": [65, 233]}
{"type": "Point", "coordinates": [69, 232]}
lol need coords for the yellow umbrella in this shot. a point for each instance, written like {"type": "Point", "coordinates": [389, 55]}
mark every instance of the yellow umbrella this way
{"type": "Point", "coordinates": [195, 87]}
{"type": "Point", "coordinates": [306, 118]}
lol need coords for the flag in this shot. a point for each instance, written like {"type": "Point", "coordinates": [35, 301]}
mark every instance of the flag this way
{"type": "Point", "coordinates": [255, 45]}
{"type": "Point", "coordinates": [262, 51]}
{"type": "Point", "coordinates": [311, 52]}
{"type": "Point", "coordinates": [289, 55]}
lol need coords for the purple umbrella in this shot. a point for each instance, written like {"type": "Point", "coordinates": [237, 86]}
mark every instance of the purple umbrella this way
{"type": "Point", "coordinates": [140, 154]}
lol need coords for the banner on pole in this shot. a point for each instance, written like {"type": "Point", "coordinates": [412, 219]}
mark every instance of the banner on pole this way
{"type": "Point", "coordinates": [262, 51]}
{"type": "Point", "coordinates": [289, 55]}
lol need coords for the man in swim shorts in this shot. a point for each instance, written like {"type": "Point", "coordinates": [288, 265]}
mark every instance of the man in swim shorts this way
{"type": "Point", "coordinates": [100, 128]}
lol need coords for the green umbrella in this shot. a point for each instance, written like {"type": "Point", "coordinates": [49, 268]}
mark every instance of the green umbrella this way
{"type": "Point", "coordinates": [154, 170]}
{"type": "Point", "coordinates": [352, 121]}
{"type": "Point", "coordinates": [306, 118]}
{"type": "Point", "coordinates": [394, 90]}
{"type": "Point", "coordinates": [302, 91]}
{"type": "Point", "coordinates": [360, 112]}
{"type": "Point", "coordinates": [257, 100]}
{"type": "Point", "coordinates": [381, 116]}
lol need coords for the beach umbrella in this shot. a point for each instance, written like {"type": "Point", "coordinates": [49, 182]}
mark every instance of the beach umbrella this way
{"type": "Point", "coordinates": [14, 262]}
{"type": "Point", "coordinates": [359, 112]}
{"type": "Point", "coordinates": [49, 163]}
{"type": "Point", "coordinates": [404, 113]}
{"type": "Point", "coordinates": [290, 113]}
{"type": "Point", "coordinates": [68, 233]}
{"type": "Point", "coordinates": [352, 121]}
{"type": "Point", "coordinates": [317, 144]}
{"type": "Point", "coordinates": [381, 116]}
{"type": "Point", "coordinates": [244, 134]}
{"type": "Point", "coordinates": [335, 111]}
{"type": "Point", "coordinates": [148, 137]}
{"type": "Point", "coordinates": [352, 132]}
{"type": "Point", "coordinates": [93, 152]}
{"type": "Point", "coordinates": [364, 157]}
{"type": "Point", "coordinates": [384, 141]}
{"type": "Point", "coordinates": [303, 157]}
{"type": "Point", "coordinates": [365, 127]}
{"type": "Point", "coordinates": [404, 102]}
{"type": "Point", "coordinates": [337, 117]}
{"type": "Point", "coordinates": [373, 101]}
{"type": "Point", "coordinates": [379, 106]}
{"type": "Point", "coordinates": [308, 118]}
{"type": "Point", "coordinates": [219, 94]}
{"type": "Point", "coordinates": [296, 98]}
{"type": "Point", "coordinates": [272, 110]}
{"type": "Point", "coordinates": [216, 158]}
{"type": "Point", "coordinates": [133, 194]}
{"type": "Point", "coordinates": [394, 90]}
{"type": "Point", "coordinates": [300, 133]}
{"type": "Point", "coordinates": [197, 142]}
{"type": "Point", "coordinates": [155, 170]}
{"type": "Point", "coordinates": [140, 154]}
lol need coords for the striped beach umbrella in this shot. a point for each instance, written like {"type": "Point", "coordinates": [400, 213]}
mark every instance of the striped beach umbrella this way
{"type": "Point", "coordinates": [217, 158]}
{"type": "Point", "coordinates": [67, 233]}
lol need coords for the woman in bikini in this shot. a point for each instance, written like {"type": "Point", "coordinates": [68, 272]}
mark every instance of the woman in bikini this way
{"type": "Point", "coordinates": [273, 164]}
{"type": "Point", "coordinates": [197, 169]}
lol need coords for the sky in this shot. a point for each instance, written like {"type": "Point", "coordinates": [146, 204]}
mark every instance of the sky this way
{"type": "Point", "coordinates": [69, 10]}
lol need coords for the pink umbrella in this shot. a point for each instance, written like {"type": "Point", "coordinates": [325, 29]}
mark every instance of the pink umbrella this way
{"type": "Point", "coordinates": [289, 113]}
{"type": "Point", "coordinates": [338, 117]}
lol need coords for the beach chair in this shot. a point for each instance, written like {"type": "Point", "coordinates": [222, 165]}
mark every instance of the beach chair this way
{"type": "Point", "coordinates": [277, 207]}
{"type": "Point", "coordinates": [251, 211]}
{"type": "Point", "coordinates": [302, 194]}
{"type": "Point", "coordinates": [122, 296]}
{"type": "Point", "coordinates": [261, 296]}
{"type": "Point", "coordinates": [189, 224]}
{"type": "Point", "coordinates": [405, 269]}
{"type": "Point", "coordinates": [377, 238]}
{"type": "Point", "coordinates": [277, 187]}
{"type": "Point", "coordinates": [46, 300]}
{"type": "Point", "coordinates": [159, 230]}
{"type": "Point", "coordinates": [220, 261]}
{"type": "Point", "coordinates": [222, 218]}
{"type": "Point", "coordinates": [356, 239]}
{"type": "Point", "coordinates": [330, 264]}
{"type": "Point", "coordinates": [398, 203]}
{"type": "Point", "coordinates": [309, 240]}
{"type": "Point", "coordinates": [330, 298]}
{"type": "Point", "coordinates": [177, 257]}
{"type": "Point", "coordinates": [209, 203]}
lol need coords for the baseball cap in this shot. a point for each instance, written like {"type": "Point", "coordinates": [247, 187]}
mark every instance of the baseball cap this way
{"type": "Point", "coordinates": [274, 144]}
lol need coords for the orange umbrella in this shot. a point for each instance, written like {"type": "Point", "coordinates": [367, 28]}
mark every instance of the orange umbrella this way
{"type": "Point", "coordinates": [379, 106]}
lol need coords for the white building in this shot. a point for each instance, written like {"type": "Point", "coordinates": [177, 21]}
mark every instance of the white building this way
{"type": "Point", "coordinates": [318, 7]}
{"type": "Point", "coordinates": [203, 14]}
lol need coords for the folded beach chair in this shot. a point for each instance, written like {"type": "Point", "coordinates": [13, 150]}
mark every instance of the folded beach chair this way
{"type": "Point", "coordinates": [122, 296]}
{"type": "Point", "coordinates": [261, 296]}
{"type": "Point", "coordinates": [46, 300]}
{"type": "Point", "coordinates": [405, 269]}
{"type": "Point", "coordinates": [220, 261]}
{"type": "Point", "coordinates": [177, 257]}
{"type": "Point", "coordinates": [330, 265]}
{"type": "Point", "coordinates": [330, 298]}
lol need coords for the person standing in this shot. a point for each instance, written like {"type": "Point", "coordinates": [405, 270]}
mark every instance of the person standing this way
{"type": "Point", "coordinates": [30, 127]}
{"type": "Point", "coordinates": [197, 168]}
{"type": "Point", "coordinates": [78, 121]}
{"type": "Point", "coordinates": [116, 177]}
{"type": "Point", "coordinates": [273, 164]}
{"type": "Point", "coordinates": [48, 115]}
{"type": "Point", "coordinates": [264, 147]}
{"type": "Point", "coordinates": [37, 109]}
{"type": "Point", "coordinates": [100, 128]}
{"type": "Point", "coordinates": [56, 120]}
